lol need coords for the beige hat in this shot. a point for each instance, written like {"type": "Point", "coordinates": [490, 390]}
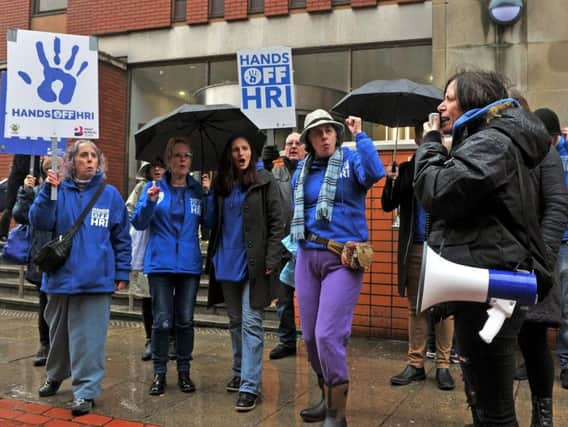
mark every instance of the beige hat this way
{"type": "Point", "coordinates": [317, 118]}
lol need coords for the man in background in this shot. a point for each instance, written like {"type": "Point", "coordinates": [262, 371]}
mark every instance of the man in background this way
{"type": "Point", "coordinates": [283, 168]}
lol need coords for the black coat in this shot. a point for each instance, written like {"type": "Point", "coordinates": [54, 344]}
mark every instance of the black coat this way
{"type": "Point", "coordinates": [264, 230]}
{"type": "Point", "coordinates": [473, 192]}
{"type": "Point", "coordinates": [38, 237]}
{"type": "Point", "coordinates": [399, 193]}
{"type": "Point", "coordinates": [553, 211]}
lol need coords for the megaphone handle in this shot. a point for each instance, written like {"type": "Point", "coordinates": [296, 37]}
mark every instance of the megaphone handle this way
{"type": "Point", "coordinates": [500, 310]}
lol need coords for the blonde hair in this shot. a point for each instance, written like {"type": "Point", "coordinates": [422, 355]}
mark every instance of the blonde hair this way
{"type": "Point", "coordinates": [172, 142]}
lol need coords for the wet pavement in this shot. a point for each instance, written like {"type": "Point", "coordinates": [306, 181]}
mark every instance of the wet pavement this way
{"type": "Point", "coordinates": [288, 384]}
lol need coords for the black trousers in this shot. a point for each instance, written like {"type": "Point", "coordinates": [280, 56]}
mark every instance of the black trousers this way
{"type": "Point", "coordinates": [41, 323]}
{"type": "Point", "coordinates": [533, 341]}
{"type": "Point", "coordinates": [488, 369]}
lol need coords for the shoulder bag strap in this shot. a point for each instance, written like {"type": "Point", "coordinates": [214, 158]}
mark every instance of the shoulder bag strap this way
{"type": "Point", "coordinates": [79, 221]}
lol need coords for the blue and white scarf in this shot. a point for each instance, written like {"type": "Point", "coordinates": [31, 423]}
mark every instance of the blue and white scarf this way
{"type": "Point", "coordinates": [326, 197]}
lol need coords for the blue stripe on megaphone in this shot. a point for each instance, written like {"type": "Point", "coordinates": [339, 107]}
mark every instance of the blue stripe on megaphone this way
{"type": "Point", "coordinates": [512, 285]}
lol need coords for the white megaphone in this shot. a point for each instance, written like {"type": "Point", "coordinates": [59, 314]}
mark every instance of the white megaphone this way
{"type": "Point", "coordinates": [442, 281]}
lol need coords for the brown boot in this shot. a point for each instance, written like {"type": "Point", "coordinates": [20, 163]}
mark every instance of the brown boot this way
{"type": "Point", "coordinates": [336, 401]}
{"type": "Point", "coordinates": [316, 412]}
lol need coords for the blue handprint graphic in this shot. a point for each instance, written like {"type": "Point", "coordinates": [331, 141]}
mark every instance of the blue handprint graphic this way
{"type": "Point", "coordinates": [52, 74]}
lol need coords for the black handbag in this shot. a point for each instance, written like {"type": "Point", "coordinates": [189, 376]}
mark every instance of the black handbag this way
{"type": "Point", "coordinates": [53, 254]}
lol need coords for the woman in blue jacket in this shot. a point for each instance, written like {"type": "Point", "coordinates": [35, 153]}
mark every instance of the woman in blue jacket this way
{"type": "Point", "coordinates": [79, 292]}
{"type": "Point", "coordinates": [329, 189]}
{"type": "Point", "coordinates": [172, 209]}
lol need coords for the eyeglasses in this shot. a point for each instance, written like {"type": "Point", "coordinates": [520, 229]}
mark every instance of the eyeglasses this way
{"type": "Point", "coordinates": [290, 143]}
{"type": "Point", "coordinates": [183, 155]}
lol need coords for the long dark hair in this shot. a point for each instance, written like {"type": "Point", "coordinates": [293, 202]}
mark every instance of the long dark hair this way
{"type": "Point", "coordinates": [478, 88]}
{"type": "Point", "coordinates": [228, 174]}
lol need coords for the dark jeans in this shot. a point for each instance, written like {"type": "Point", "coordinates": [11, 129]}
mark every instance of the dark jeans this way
{"type": "Point", "coordinates": [488, 369]}
{"type": "Point", "coordinates": [41, 323]}
{"type": "Point", "coordinates": [172, 293]}
{"type": "Point", "coordinates": [533, 340]}
{"type": "Point", "coordinates": [285, 310]}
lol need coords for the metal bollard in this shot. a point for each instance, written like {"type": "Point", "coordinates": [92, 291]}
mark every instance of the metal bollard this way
{"type": "Point", "coordinates": [131, 292]}
{"type": "Point", "coordinates": [21, 271]}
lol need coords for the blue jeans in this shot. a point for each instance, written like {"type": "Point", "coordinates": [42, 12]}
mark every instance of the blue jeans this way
{"type": "Point", "coordinates": [172, 292]}
{"type": "Point", "coordinates": [562, 344]}
{"type": "Point", "coordinates": [247, 335]}
{"type": "Point", "coordinates": [285, 311]}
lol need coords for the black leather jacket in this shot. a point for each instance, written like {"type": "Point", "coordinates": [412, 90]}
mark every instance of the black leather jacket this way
{"type": "Point", "coordinates": [480, 215]}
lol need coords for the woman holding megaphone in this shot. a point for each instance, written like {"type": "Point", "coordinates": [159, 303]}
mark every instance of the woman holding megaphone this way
{"type": "Point", "coordinates": [479, 195]}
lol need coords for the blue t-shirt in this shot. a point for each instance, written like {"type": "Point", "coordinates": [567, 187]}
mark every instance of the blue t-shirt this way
{"type": "Point", "coordinates": [562, 148]}
{"type": "Point", "coordinates": [230, 259]}
{"type": "Point", "coordinates": [420, 223]}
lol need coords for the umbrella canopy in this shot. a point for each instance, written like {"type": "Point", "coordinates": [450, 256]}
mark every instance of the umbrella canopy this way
{"type": "Point", "coordinates": [208, 127]}
{"type": "Point", "coordinates": [393, 103]}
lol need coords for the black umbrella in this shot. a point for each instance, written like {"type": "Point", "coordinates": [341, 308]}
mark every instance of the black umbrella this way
{"type": "Point", "coordinates": [208, 127]}
{"type": "Point", "coordinates": [393, 103]}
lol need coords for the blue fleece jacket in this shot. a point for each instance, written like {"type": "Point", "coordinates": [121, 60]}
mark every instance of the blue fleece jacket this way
{"type": "Point", "coordinates": [170, 250]}
{"type": "Point", "coordinates": [230, 259]}
{"type": "Point", "coordinates": [101, 249]}
{"type": "Point", "coordinates": [360, 170]}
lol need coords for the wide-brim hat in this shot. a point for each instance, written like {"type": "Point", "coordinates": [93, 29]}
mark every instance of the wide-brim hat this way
{"type": "Point", "coordinates": [317, 118]}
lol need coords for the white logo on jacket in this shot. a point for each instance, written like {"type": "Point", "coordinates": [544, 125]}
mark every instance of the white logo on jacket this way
{"type": "Point", "coordinates": [345, 171]}
{"type": "Point", "coordinates": [195, 206]}
{"type": "Point", "coordinates": [99, 217]}
{"type": "Point", "coordinates": [160, 197]}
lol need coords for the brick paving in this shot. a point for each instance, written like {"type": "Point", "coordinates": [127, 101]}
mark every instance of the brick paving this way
{"type": "Point", "coordinates": [17, 413]}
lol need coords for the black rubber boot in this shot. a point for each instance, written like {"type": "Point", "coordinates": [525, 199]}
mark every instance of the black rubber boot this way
{"type": "Point", "coordinates": [336, 402]}
{"type": "Point", "coordinates": [315, 413]}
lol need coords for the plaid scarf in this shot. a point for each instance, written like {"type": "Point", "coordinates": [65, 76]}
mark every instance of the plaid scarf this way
{"type": "Point", "coordinates": [326, 197]}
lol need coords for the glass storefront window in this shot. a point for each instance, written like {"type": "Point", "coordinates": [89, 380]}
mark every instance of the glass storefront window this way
{"type": "Point", "coordinates": [327, 69]}
{"type": "Point", "coordinates": [408, 62]}
{"type": "Point", "coordinates": [405, 62]}
{"type": "Point", "coordinates": [223, 72]}
{"type": "Point", "coordinates": [157, 90]}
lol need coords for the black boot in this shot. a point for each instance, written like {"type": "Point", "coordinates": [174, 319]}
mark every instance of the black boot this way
{"type": "Point", "coordinates": [184, 383]}
{"type": "Point", "coordinates": [158, 386]}
{"type": "Point", "coordinates": [49, 388]}
{"type": "Point", "coordinates": [40, 358]}
{"type": "Point", "coordinates": [316, 412]}
{"type": "Point", "coordinates": [336, 402]}
{"type": "Point", "coordinates": [147, 354]}
{"type": "Point", "coordinates": [541, 412]}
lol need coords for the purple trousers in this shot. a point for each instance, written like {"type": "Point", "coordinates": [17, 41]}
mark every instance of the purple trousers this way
{"type": "Point", "coordinates": [327, 293]}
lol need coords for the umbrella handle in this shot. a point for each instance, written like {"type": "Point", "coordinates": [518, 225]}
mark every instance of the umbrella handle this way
{"type": "Point", "coordinates": [394, 165]}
